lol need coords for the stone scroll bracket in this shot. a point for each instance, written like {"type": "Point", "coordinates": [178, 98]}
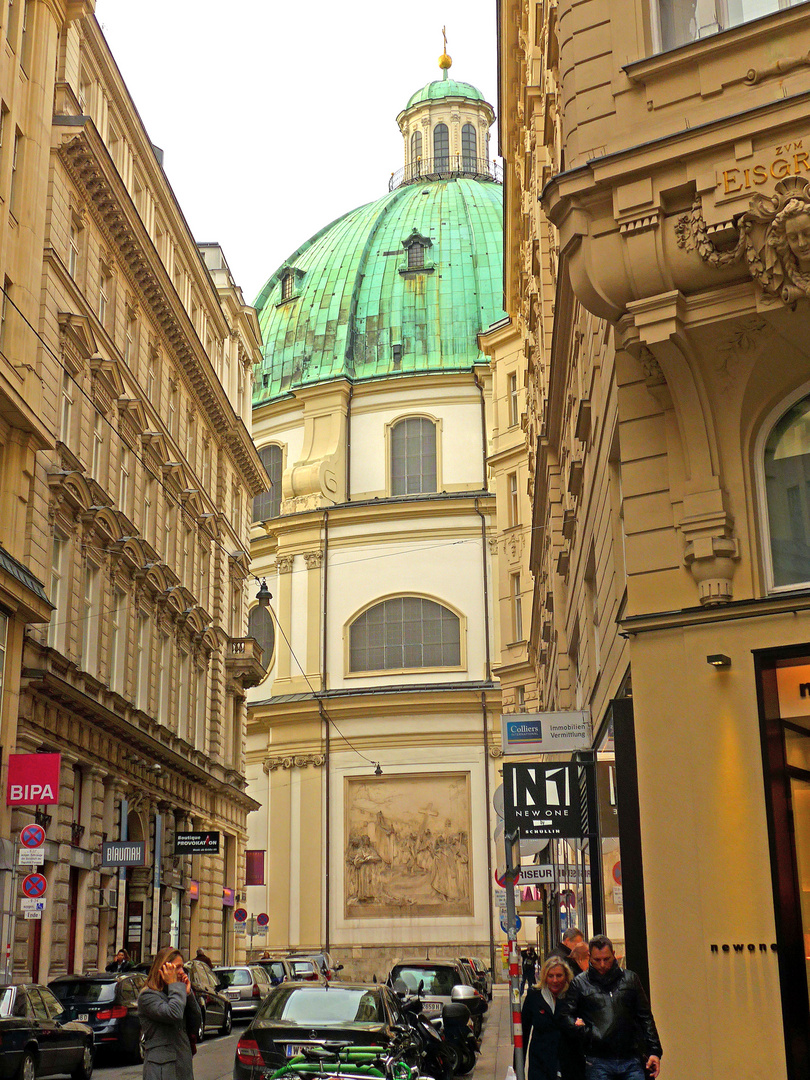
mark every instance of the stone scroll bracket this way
{"type": "Point", "coordinates": [655, 333]}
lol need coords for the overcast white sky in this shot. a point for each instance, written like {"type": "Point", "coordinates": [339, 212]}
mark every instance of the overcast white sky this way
{"type": "Point", "coordinates": [276, 117]}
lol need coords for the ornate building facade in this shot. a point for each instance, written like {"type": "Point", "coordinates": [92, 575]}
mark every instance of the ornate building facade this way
{"type": "Point", "coordinates": [658, 270]}
{"type": "Point", "coordinates": [137, 524]}
{"type": "Point", "coordinates": [370, 743]}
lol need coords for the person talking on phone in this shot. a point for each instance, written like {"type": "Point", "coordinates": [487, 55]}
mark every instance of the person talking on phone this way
{"type": "Point", "coordinates": [169, 1012]}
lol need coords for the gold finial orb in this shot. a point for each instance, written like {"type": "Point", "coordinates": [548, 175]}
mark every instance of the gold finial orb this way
{"type": "Point", "coordinates": [445, 61]}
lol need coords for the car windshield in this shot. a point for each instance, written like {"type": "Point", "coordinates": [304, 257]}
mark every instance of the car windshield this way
{"type": "Point", "coordinates": [234, 976]}
{"type": "Point", "coordinates": [6, 998]}
{"type": "Point", "coordinates": [83, 990]}
{"type": "Point", "coordinates": [437, 980]}
{"type": "Point", "coordinates": [301, 1005]}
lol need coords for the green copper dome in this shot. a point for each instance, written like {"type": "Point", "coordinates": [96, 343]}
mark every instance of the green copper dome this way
{"type": "Point", "coordinates": [442, 88]}
{"type": "Point", "coordinates": [347, 305]}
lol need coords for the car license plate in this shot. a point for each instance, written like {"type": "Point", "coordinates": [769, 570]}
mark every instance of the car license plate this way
{"type": "Point", "coordinates": [294, 1048]}
{"type": "Point", "coordinates": [233, 993]}
{"type": "Point", "coordinates": [82, 1016]}
{"type": "Point", "coordinates": [432, 1006]}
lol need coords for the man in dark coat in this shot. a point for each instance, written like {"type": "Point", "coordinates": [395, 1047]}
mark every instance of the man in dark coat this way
{"type": "Point", "coordinates": [607, 1010]}
{"type": "Point", "coordinates": [201, 956]}
{"type": "Point", "coordinates": [572, 936]}
{"type": "Point", "coordinates": [120, 962]}
{"type": "Point", "coordinates": [528, 961]}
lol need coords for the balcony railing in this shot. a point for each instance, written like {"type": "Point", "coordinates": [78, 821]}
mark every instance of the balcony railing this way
{"type": "Point", "coordinates": [443, 168]}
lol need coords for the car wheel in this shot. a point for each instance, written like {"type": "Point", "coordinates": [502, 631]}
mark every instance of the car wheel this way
{"type": "Point", "coordinates": [84, 1070]}
{"type": "Point", "coordinates": [227, 1023]}
{"type": "Point", "coordinates": [28, 1068]}
{"type": "Point", "coordinates": [201, 1029]}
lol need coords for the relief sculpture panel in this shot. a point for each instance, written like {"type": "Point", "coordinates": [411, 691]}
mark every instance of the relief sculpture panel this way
{"type": "Point", "coordinates": [408, 845]}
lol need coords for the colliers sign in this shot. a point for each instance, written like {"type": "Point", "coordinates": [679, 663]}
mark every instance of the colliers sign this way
{"type": "Point", "coordinates": [545, 733]}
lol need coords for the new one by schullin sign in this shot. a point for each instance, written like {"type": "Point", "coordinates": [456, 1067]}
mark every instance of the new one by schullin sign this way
{"type": "Point", "coordinates": [545, 733]}
{"type": "Point", "coordinates": [33, 779]}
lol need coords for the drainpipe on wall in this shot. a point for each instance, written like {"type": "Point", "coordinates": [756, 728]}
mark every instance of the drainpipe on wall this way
{"type": "Point", "coordinates": [324, 717]}
{"type": "Point", "coordinates": [480, 386]}
{"type": "Point", "coordinates": [486, 588]}
{"type": "Point", "coordinates": [488, 800]}
{"type": "Point", "coordinates": [349, 443]}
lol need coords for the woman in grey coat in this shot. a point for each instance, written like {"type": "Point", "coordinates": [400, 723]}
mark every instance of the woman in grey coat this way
{"type": "Point", "coordinates": [168, 1010]}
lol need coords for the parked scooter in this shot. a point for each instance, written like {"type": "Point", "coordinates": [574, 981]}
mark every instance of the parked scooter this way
{"type": "Point", "coordinates": [439, 1056]}
{"type": "Point", "coordinates": [456, 1026]}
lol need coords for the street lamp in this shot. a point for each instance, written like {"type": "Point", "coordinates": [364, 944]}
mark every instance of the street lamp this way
{"type": "Point", "coordinates": [264, 596]}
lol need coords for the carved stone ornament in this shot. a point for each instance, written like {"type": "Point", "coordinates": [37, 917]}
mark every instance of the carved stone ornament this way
{"type": "Point", "coordinates": [313, 559]}
{"type": "Point", "coordinates": [284, 564]}
{"type": "Point", "coordinates": [298, 761]}
{"type": "Point", "coordinates": [774, 239]}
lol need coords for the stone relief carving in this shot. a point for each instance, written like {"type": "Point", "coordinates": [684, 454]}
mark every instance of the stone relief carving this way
{"type": "Point", "coordinates": [407, 846]}
{"type": "Point", "coordinates": [313, 559]}
{"type": "Point", "coordinates": [774, 239]}
{"type": "Point", "coordinates": [284, 564]}
{"type": "Point", "coordinates": [296, 761]}
{"type": "Point", "coordinates": [744, 340]}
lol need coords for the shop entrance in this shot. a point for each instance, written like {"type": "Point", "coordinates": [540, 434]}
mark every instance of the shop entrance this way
{"type": "Point", "coordinates": [784, 703]}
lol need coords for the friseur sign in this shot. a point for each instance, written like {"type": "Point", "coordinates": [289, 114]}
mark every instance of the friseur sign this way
{"type": "Point", "coordinates": [196, 843]}
{"type": "Point", "coordinates": [123, 853]}
{"type": "Point", "coordinates": [542, 801]}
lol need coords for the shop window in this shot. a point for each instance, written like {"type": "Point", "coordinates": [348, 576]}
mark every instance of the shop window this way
{"type": "Point", "coordinates": [268, 504]}
{"type": "Point", "coordinates": [682, 21]}
{"type": "Point", "coordinates": [787, 487]}
{"type": "Point", "coordinates": [413, 456]}
{"type": "Point", "coordinates": [469, 153]}
{"type": "Point", "coordinates": [254, 868]}
{"type": "Point", "coordinates": [262, 628]}
{"type": "Point", "coordinates": [441, 148]}
{"type": "Point", "coordinates": [406, 632]}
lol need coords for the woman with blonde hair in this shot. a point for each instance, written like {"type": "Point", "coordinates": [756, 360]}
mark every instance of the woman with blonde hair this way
{"type": "Point", "coordinates": [169, 1012]}
{"type": "Point", "coordinates": [548, 1055]}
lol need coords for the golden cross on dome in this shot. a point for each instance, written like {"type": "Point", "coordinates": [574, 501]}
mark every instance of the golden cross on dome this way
{"type": "Point", "coordinates": [445, 61]}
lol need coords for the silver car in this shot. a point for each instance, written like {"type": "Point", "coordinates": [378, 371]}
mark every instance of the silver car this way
{"type": "Point", "coordinates": [245, 986]}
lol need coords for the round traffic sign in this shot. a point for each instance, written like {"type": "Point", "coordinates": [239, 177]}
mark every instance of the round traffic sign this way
{"type": "Point", "coordinates": [32, 836]}
{"type": "Point", "coordinates": [34, 885]}
{"type": "Point", "coordinates": [518, 923]}
{"type": "Point", "coordinates": [263, 919]}
{"type": "Point", "coordinates": [617, 873]}
{"type": "Point", "coordinates": [240, 915]}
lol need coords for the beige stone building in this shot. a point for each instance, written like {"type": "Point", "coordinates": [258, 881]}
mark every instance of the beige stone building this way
{"type": "Point", "coordinates": [657, 277]}
{"type": "Point", "coordinates": [137, 521]}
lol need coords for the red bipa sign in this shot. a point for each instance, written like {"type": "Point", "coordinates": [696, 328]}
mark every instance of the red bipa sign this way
{"type": "Point", "coordinates": [33, 779]}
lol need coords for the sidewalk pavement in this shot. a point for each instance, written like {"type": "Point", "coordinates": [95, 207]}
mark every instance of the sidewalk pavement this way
{"type": "Point", "coordinates": [496, 1041]}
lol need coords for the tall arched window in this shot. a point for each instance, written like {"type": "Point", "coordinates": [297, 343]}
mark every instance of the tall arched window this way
{"type": "Point", "coordinates": [416, 148]}
{"type": "Point", "coordinates": [262, 627]}
{"type": "Point", "coordinates": [413, 456]}
{"type": "Point", "coordinates": [441, 148]}
{"type": "Point", "coordinates": [469, 153]}
{"type": "Point", "coordinates": [268, 504]}
{"type": "Point", "coordinates": [787, 483]}
{"type": "Point", "coordinates": [405, 632]}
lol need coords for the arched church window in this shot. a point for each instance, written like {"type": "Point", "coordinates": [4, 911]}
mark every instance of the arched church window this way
{"type": "Point", "coordinates": [413, 456]}
{"type": "Point", "coordinates": [441, 148]}
{"type": "Point", "coordinates": [262, 627]}
{"type": "Point", "coordinates": [787, 485]}
{"type": "Point", "coordinates": [405, 632]}
{"type": "Point", "coordinates": [416, 147]}
{"type": "Point", "coordinates": [469, 153]}
{"type": "Point", "coordinates": [268, 504]}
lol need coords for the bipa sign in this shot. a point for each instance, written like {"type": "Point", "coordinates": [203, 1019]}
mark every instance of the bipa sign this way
{"type": "Point", "coordinates": [33, 779]}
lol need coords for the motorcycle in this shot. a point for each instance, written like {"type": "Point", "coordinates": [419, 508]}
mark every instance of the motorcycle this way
{"type": "Point", "coordinates": [456, 1026]}
{"type": "Point", "coordinates": [440, 1058]}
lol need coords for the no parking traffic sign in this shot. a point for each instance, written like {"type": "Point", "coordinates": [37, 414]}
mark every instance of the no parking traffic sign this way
{"type": "Point", "coordinates": [34, 886]}
{"type": "Point", "coordinates": [32, 836]}
{"type": "Point", "coordinates": [240, 915]}
{"type": "Point", "coordinates": [263, 919]}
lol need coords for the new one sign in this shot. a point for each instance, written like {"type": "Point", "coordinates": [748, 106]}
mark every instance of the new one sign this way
{"type": "Point", "coordinates": [33, 779]}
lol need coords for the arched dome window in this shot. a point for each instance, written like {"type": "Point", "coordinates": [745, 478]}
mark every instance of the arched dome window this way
{"type": "Point", "coordinates": [416, 147]}
{"type": "Point", "coordinates": [268, 504]}
{"type": "Point", "coordinates": [469, 152]}
{"type": "Point", "coordinates": [787, 486]}
{"type": "Point", "coordinates": [413, 456]}
{"type": "Point", "coordinates": [441, 148]}
{"type": "Point", "coordinates": [405, 632]}
{"type": "Point", "coordinates": [262, 627]}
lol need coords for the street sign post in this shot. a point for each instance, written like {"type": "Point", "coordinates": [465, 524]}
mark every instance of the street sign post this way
{"type": "Point", "coordinates": [262, 920]}
{"type": "Point", "coordinates": [32, 836]}
{"type": "Point", "coordinates": [512, 852]}
{"type": "Point", "coordinates": [30, 857]}
{"type": "Point", "coordinates": [240, 915]}
{"type": "Point", "coordinates": [32, 905]}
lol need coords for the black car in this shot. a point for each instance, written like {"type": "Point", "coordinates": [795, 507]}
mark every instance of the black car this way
{"type": "Point", "coordinates": [108, 1003]}
{"type": "Point", "coordinates": [299, 1017]}
{"type": "Point", "coordinates": [214, 1006]}
{"type": "Point", "coordinates": [37, 1039]}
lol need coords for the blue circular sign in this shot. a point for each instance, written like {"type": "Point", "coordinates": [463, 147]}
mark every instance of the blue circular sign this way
{"type": "Point", "coordinates": [518, 923]}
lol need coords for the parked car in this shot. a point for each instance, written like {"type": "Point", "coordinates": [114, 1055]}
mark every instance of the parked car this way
{"type": "Point", "coordinates": [481, 974]}
{"type": "Point", "coordinates": [217, 1013]}
{"type": "Point", "coordinates": [305, 969]}
{"type": "Point", "coordinates": [245, 986]}
{"type": "Point", "coordinates": [37, 1039]}
{"type": "Point", "coordinates": [296, 1017]}
{"type": "Point", "coordinates": [109, 1005]}
{"type": "Point", "coordinates": [324, 961]}
{"type": "Point", "coordinates": [434, 980]}
{"type": "Point", "coordinates": [278, 969]}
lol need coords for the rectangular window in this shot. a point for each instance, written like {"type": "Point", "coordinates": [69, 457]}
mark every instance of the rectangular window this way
{"type": "Point", "coordinates": [141, 662]}
{"type": "Point", "coordinates": [16, 169]}
{"type": "Point", "coordinates": [165, 679]}
{"type": "Point", "coordinates": [58, 594]}
{"type": "Point", "coordinates": [5, 316]}
{"type": "Point", "coordinates": [90, 619]}
{"type": "Point", "coordinates": [184, 675]}
{"type": "Point", "coordinates": [168, 533]}
{"type": "Point", "coordinates": [191, 436]}
{"type": "Point", "coordinates": [514, 506]}
{"type": "Point", "coordinates": [104, 289]}
{"type": "Point", "coordinates": [67, 408]}
{"type": "Point", "coordinates": [124, 484]}
{"type": "Point", "coordinates": [205, 572]}
{"type": "Point", "coordinates": [3, 637]}
{"type": "Point", "coordinates": [682, 21]}
{"type": "Point", "coordinates": [517, 607]}
{"type": "Point", "coordinates": [151, 375]}
{"type": "Point", "coordinates": [118, 637]}
{"type": "Point", "coordinates": [254, 868]}
{"type": "Point", "coordinates": [520, 698]}
{"type": "Point", "coordinates": [514, 409]}
{"type": "Point", "coordinates": [148, 522]}
{"type": "Point", "coordinates": [187, 565]}
{"type": "Point", "coordinates": [201, 709]}
{"type": "Point", "coordinates": [74, 248]}
{"type": "Point", "coordinates": [130, 330]}
{"type": "Point", "coordinates": [26, 37]}
{"type": "Point", "coordinates": [98, 446]}
{"type": "Point", "coordinates": [172, 422]}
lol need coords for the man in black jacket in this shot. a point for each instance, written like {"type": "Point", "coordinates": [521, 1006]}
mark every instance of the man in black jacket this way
{"type": "Point", "coordinates": [607, 1010]}
{"type": "Point", "coordinates": [572, 936]}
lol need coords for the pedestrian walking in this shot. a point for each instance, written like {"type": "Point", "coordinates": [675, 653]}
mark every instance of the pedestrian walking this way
{"type": "Point", "coordinates": [201, 956]}
{"type": "Point", "coordinates": [528, 961]}
{"type": "Point", "coordinates": [120, 962]}
{"type": "Point", "coordinates": [571, 937]}
{"type": "Point", "coordinates": [549, 1052]}
{"type": "Point", "coordinates": [579, 958]}
{"type": "Point", "coordinates": [607, 1010]}
{"type": "Point", "coordinates": [170, 1019]}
